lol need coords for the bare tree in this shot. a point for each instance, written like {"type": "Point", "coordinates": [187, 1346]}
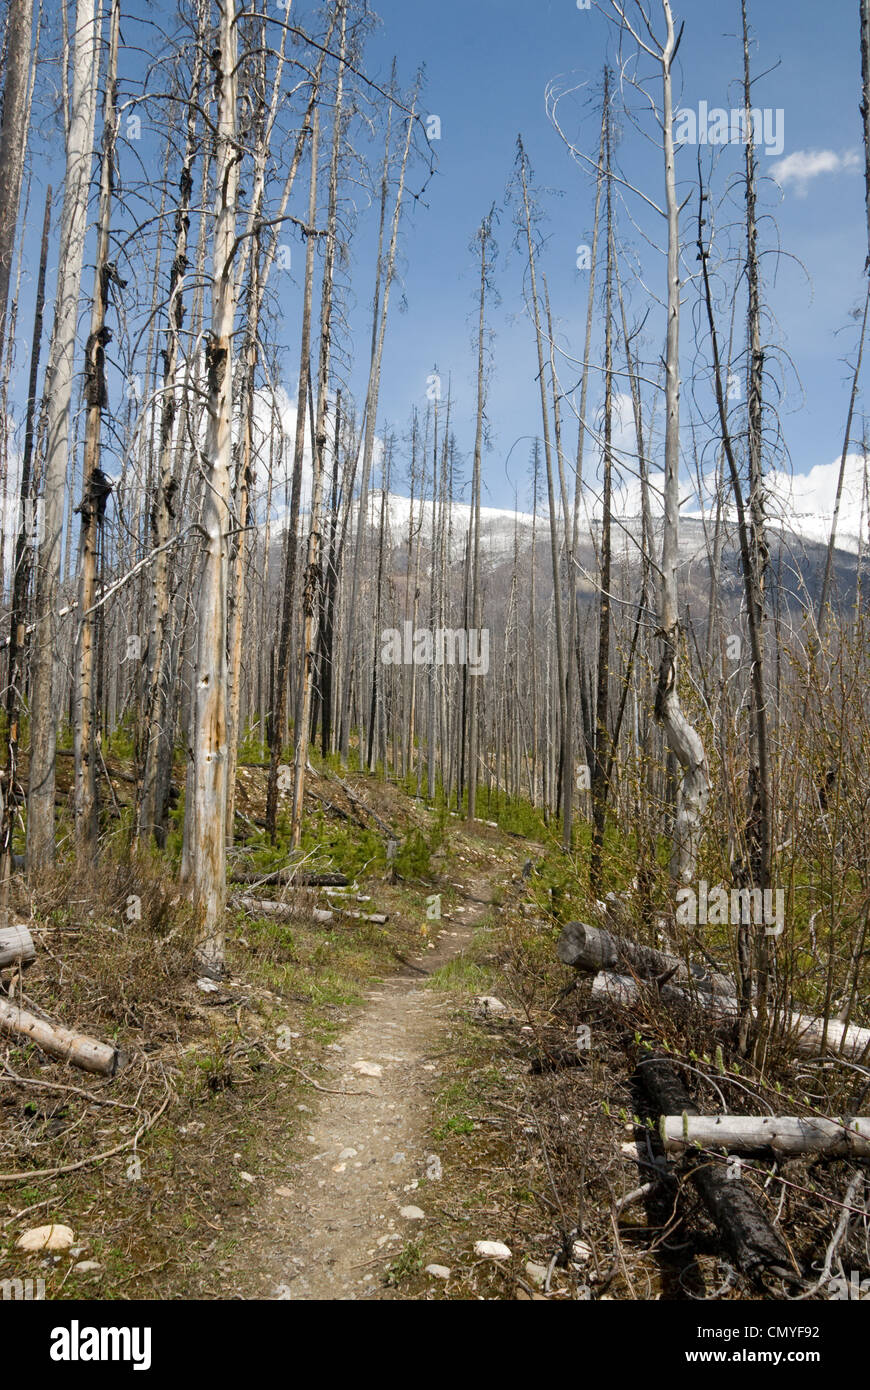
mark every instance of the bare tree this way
{"type": "Point", "coordinates": [484, 242]}
{"type": "Point", "coordinates": [682, 738]}
{"type": "Point", "coordinates": [96, 485]}
{"type": "Point", "coordinates": [165, 502]}
{"type": "Point", "coordinates": [210, 711]}
{"type": "Point", "coordinates": [290, 539]}
{"type": "Point", "coordinates": [13, 138]}
{"type": "Point", "coordinates": [309, 593]}
{"type": "Point", "coordinates": [58, 392]}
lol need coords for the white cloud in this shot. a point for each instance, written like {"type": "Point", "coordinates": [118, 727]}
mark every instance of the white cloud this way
{"type": "Point", "coordinates": [805, 502]}
{"type": "Point", "coordinates": [800, 168]}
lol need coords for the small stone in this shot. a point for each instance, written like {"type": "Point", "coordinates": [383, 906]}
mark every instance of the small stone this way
{"type": "Point", "coordinates": [412, 1214]}
{"type": "Point", "coordinates": [87, 1267]}
{"type": "Point", "coordinates": [434, 1169]}
{"type": "Point", "coordinates": [247, 1177]}
{"type": "Point", "coordinates": [492, 1250]}
{"type": "Point", "coordinates": [537, 1274]}
{"type": "Point", "coordinates": [46, 1238]}
{"type": "Point", "coordinates": [398, 1158]}
{"type": "Point", "coordinates": [368, 1068]}
{"type": "Point", "coordinates": [283, 1192]}
{"type": "Point", "coordinates": [438, 1271]}
{"type": "Point", "coordinates": [347, 1153]}
{"type": "Point", "coordinates": [581, 1252]}
{"type": "Point", "coordinates": [207, 986]}
{"type": "Point", "coordinates": [490, 1005]}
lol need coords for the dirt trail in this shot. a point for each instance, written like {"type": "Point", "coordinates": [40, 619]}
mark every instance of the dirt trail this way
{"type": "Point", "coordinates": [343, 1223]}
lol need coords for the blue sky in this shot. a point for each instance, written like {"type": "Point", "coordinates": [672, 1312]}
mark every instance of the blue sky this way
{"type": "Point", "coordinates": [488, 64]}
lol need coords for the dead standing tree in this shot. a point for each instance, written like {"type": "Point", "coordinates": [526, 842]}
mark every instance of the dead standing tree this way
{"type": "Point", "coordinates": [208, 840]}
{"type": "Point", "coordinates": [13, 138]}
{"type": "Point", "coordinates": [163, 510]}
{"type": "Point", "coordinates": [290, 539]}
{"type": "Point", "coordinates": [682, 738]}
{"type": "Point", "coordinates": [58, 395]}
{"type": "Point", "coordinates": [527, 226]}
{"type": "Point", "coordinates": [385, 274]}
{"type": "Point", "coordinates": [309, 593]}
{"type": "Point", "coordinates": [21, 575]}
{"type": "Point", "coordinates": [484, 241]}
{"type": "Point", "coordinates": [261, 264]}
{"type": "Point", "coordinates": [96, 485]}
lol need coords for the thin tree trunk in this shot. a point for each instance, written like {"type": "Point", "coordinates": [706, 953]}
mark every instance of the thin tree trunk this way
{"type": "Point", "coordinates": [163, 511]}
{"type": "Point", "coordinates": [96, 486]}
{"type": "Point", "coordinates": [484, 237]}
{"type": "Point", "coordinates": [280, 704]}
{"type": "Point", "coordinates": [865, 109]}
{"type": "Point", "coordinates": [25, 546]}
{"type": "Point", "coordinates": [548, 459]}
{"type": "Point", "coordinates": [210, 693]}
{"type": "Point", "coordinates": [683, 740]}
{"type": "Point", "coordinates": [601, 770]}
{"type": "Point", "coordinates": [58, 392]}
{"type": "Point", "coordinates": [309, 597]}
{"type": "Point", "coordinates": [13, 138]}
{"type": "Point", "coordinates": [379, 327]}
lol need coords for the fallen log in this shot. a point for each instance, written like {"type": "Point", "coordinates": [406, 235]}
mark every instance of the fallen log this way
{"type": "Point", "coordinates": [264, 907]}
{"type": "Point", "coordinates": [804, 1031]}
{"type": "Point", "coordinates": [591, 948]}
{"type": "Point", "coordinates": [780, 1135]}
{"type": "Point", "coordinates": [291, 877]}
{"type": "Point", "coordinates": [59, 1042]}
{"type": "Point", "coordinates": [16, 946]}
{"type": "Point", "coordinates": [752, 1242]}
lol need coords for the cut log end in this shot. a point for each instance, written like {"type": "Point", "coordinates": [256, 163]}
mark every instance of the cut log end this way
{"type": "Point", "coordinates": [16, 946]}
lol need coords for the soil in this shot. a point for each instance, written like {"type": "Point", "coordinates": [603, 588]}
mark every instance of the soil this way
{"type": "Point", "coordinates": [341, 1223]}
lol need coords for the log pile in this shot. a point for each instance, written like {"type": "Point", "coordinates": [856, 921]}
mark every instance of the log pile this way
{"type": "Point", "coordinates": [806, 1033]}
{"type": "Point", "coordinates": [624, 973]}
{"type": "Point", "coordinates": [753, 1244]}
{"type": "Point", "coordinates": [619, 965]}
{"type": "Point", "coordinates": [590, 948]}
